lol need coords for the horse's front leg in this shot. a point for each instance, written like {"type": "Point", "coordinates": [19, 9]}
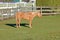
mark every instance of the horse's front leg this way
{"type": "Point", "coordinates": [19, 22]}
{"type": "Point", "coordinates": [30, 24]}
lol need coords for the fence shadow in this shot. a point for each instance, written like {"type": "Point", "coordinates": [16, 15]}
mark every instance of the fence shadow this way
{"type": "Point", "coordinates": [14, 25]}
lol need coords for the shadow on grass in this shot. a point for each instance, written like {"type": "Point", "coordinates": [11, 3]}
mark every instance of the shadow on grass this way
{"type": "Point", "coordinates": [14, 25]}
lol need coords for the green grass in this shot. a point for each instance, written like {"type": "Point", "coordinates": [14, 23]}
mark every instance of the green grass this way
{"type": "Point", "coordinates": [45, 28]}
{"type": "Point", "coordinates": [53, 3]}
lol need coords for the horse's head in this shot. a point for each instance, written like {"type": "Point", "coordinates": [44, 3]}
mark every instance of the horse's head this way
{"type": "Point", "coordinates": [39, 14]}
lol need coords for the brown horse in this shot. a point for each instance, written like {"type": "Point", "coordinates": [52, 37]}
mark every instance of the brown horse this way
{"type": "Point", "coordinates": [26, 15]}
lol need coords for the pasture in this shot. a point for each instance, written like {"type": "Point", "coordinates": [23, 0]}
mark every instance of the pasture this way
{"type": "Point", "coordinates": [45, 28]}
{"type": "Point", "coordinates": [53, 3]}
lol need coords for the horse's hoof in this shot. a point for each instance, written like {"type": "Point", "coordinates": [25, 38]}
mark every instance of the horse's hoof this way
{"type": "Point", "coordinates": [17, 27]}
{"type": "Point", "coordinates": [30, 27]}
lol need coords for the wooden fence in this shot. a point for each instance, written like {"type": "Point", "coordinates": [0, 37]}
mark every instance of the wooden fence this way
{"type": "Point", "coordinates": [8, 12]}
{"type": "Point", "coordinates": [49, 10]}
{"type": "Point", "coordinates": [9, 9]}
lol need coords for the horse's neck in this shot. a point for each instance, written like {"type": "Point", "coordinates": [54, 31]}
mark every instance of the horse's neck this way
{"type": "Point", "coordinates": [34, 14]}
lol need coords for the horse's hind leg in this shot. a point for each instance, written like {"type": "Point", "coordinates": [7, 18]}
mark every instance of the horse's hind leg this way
{"type": "Point", "coordinates": [17, 23]}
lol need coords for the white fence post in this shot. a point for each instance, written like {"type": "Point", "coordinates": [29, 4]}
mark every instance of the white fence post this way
{"type": "Point", "coordinates": [41, 10]}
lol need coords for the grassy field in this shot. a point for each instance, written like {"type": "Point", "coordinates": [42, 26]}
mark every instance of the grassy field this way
{"type": "Point", "coordinates": [53, 3]}
{"type": "Point", "coordinates": [45, 28]}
